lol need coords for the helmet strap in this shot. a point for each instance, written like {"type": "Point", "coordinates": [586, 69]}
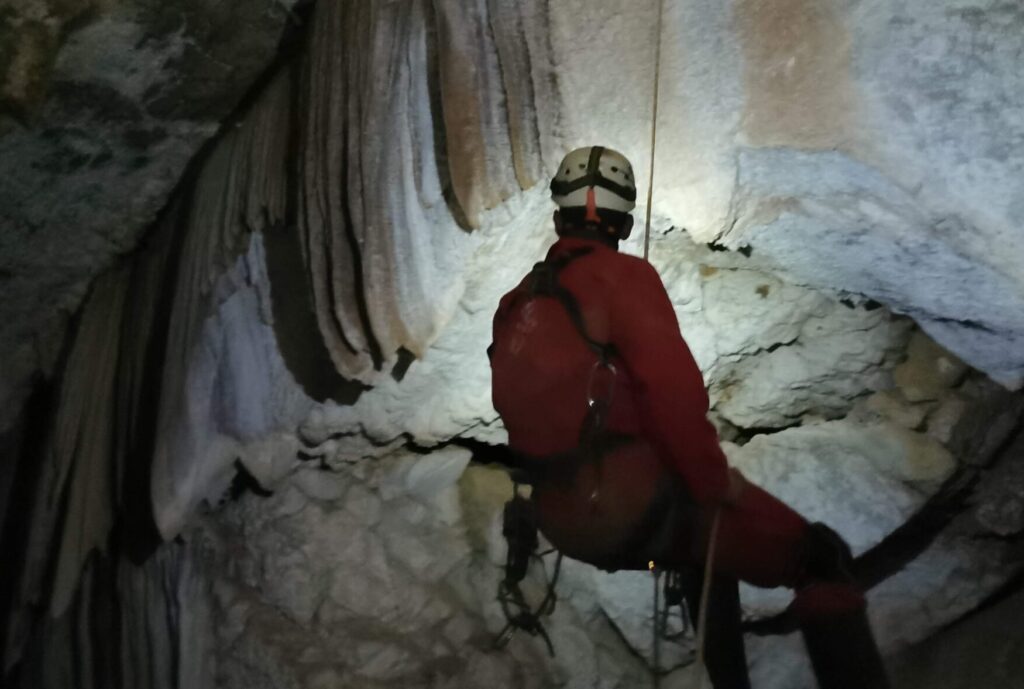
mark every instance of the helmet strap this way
{"type": "Point", "coordinates": [592, 215]}
{"type": "Point", "coordinates": [601, 234]}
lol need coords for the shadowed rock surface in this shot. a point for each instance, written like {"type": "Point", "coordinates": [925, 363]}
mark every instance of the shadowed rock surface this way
{"type": "Point", "coordinates": [244, 463]}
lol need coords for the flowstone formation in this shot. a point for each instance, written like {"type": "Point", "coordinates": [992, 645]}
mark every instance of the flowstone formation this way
{"type": "Point", "coordinates": [102, 105]}
{"type": "Point", "coordinates": [286, 382]}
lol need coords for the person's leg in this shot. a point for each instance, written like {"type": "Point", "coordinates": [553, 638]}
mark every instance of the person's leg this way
{"type": "Point", "coordinates": [764, 542]}
{"type": "Point", "coordinates": [760, 540]}
{"type": "Point", "coordinates": [832, 613]}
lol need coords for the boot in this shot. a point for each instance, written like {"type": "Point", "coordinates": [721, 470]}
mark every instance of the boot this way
{"type": "Point", "coordinates": [834, 624]}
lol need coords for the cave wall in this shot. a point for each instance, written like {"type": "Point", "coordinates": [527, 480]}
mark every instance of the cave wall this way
{"type": "Point", "coordinates": [102, 106]}
{"type": "Point", "coordinates": [273, 380]}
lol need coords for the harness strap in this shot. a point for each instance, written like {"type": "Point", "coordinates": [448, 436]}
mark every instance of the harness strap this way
{"type": "Point", "coordinates": [544, 282]}
{"type": "Point", "coordinates": [655, 533]}
{"type": "Point", "coordinates": [563, 466]}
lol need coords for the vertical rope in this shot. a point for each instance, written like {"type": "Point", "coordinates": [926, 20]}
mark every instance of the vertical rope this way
{"type": "Point", "coordinates": [657, 637]}
{"type": "Point", "coordinates": [654, 129]}
{"type": "Point", "coordinates": [709, 567]}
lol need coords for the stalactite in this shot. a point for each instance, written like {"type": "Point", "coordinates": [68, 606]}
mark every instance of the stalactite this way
{"type": "Point", "coordinates": [523, 54]}
{"type": "Point", "coordinates": [74, 505]}
{"type": "Point", "coordinates": [473, 96]}
{"type": "Point", "coordinates": [78, 497]}
{"type": "Point", "coordinates": [389, 169]}
{"type": "Point", "coordinates": [241, 187]}
{"type": "Point", "coordinates": [84, 435]}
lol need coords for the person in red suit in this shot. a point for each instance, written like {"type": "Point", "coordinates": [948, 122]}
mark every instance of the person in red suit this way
{"type": "Point", "coordinates": [606, 413]}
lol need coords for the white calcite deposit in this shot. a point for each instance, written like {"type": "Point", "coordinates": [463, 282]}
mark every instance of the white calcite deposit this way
{"type": "Point", "coordinates": [298, 347]}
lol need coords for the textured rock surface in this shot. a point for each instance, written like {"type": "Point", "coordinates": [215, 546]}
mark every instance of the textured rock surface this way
{"type": "Point", "coordinates": [770, 137]}
{"type": "Point", "coordinates": [933, 205]}
{"type": "Point", "coordinates": [985, 650]}
{"type": "Point", "coordinates": [309, 318]}
{"type": "Point", "coordinates": [102, 105]}
{"type": "Point", "coordinates": [397, 571]}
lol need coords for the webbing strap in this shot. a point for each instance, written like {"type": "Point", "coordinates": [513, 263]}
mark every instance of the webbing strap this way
{"type": "Point", "coordinates": [545, 283]}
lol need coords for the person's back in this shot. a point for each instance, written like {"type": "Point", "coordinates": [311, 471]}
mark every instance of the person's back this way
{"type": "Point", "coordinates": [546, 378]}
{"type": "Point", "coordinates": [544, 367]}
{"type": "Point", "coordinates": [606, 412]}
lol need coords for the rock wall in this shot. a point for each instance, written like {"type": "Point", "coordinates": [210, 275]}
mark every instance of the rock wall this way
{"type": "Point", "coordinates": [102, 106]}
{"type": "Point", "coordinates": [984, 649]}
{"type": "Point", "coordinates": [281, 380]}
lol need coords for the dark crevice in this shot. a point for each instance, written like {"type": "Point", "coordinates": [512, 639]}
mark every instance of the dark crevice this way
{"type": "Point", "coordinates": [488, 453]}
{"type": "Point", "coordinates": [27, 455]}
{"type": "Point", "coordinates": [244, 482]}
{"type": "Point", "coordinates": [745, 250]}
{"type": "Point", "coordinates": [1016, 537]}
{"type": "Point", "coordinates": [483, 452]}
{"type": "Point", "coordinates": [103, 621]}
{"type": "Point", "coordinates": [966, 323]}
{"type": "Point", "coordinates": [741, 435]}
{"type": "Point", "coordinates": [404, 360]}
{"type": "Point", "coordinates": [866, 304]}
{"type": "Point", "coordinates": [135, 532]}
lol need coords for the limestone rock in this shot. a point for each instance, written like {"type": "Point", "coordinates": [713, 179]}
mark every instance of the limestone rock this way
{"type": "Point", "coordinates": [110, 101]}
{"type": "Point", "coordinates": [317, 298]}
{"type": "Point", "coordinates": [1001, 512]}
{"type": "Point", "coordinates": [864, 480]}
{"type": "Point", "coordinates": [984, 650]}
{"type": "Point", "coordinates": [928, 370]}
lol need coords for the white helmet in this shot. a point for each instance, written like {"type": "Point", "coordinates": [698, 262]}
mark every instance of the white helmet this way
{"type": "Point", "coordinates": [595, 177]}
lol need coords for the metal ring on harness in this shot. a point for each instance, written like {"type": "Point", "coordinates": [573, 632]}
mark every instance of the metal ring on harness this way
{"type": "Point", "coordinates": [607, 393]}
{"type": "Point", "coordinates": [599, 402]}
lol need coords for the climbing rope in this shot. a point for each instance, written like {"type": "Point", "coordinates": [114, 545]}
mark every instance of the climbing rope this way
{"type": "Point", "coordinates": [654, 129]}
{"type": "Point", "coordinates": [710, 559]}
{"type": "Point", "coordinates": [702, 614]}
{"type": "Point", "coordinates": [657, 635]}
{"type": "Point", "coordinates": [709, 568]}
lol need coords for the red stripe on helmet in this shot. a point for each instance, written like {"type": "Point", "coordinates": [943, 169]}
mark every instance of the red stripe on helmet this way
{"type": "Point", "coordinates": [592, 215]}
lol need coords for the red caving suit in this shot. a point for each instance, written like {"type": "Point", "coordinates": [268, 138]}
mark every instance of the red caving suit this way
{"type": "Point", "coordinates": [541, 371]}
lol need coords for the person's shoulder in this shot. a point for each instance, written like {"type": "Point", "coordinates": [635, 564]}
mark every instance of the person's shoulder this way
{"type": "Point", "coordinates": [634, 268]}
{"type": "Point", "coordinates": [511, 296]}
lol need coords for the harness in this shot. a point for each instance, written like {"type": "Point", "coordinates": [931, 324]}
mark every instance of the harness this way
{"type": "Point", "coordinates": [654, 532]}
{"type": "Point", "coordinates": [594, 439]}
